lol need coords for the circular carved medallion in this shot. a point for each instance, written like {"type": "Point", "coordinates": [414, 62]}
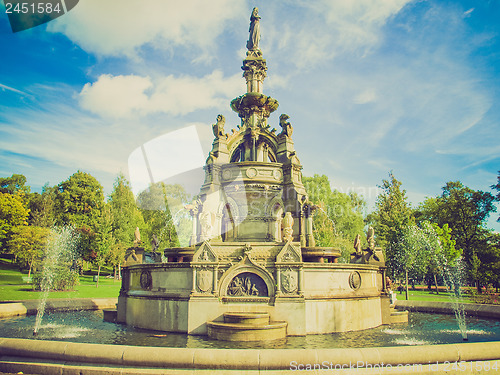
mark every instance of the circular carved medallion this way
{"type": "Point", "coordinates": [251, 172]}
{"type": "Point", "coordinates": [226, 175]}
{"type": "Point", "coordinates": [355, 280]}
{"type": "Point", "coordinates": [146, 280]}
{"type": "Point", "coordinates": [277, 174]}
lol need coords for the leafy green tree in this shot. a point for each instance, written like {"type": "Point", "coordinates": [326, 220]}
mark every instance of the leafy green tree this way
{"type": "Point", "coordinates": [339, 215]}
{"type": "Point", "coordinates": [103, 239]}
{"type": "Point", "coordinates": [13, 184]}
{"type": "Point", "coordinates": [79, 201]}
{"type": "Point", "coordinates": [465, 211]}
{"type": "Point", "coordinates": [391, 217]}
{"type": "Point", "coordinates": [450, 252]}
{"type": "Point", "coordinates": [59, 260]}
{"type": "Point", "coordinates": [27, 243]}
{"type": "Point", "coordinates": [12, 214]}
{"type": "Point", "coordinates": [162, 208]}
{"type": "Point", "coordinates": [411, 252]}
{"type": "Point", "coordinates": [126, 215]}
{"type": "Point", "coordinates": [497, 188]}
{"type": "Point", "coordinates": [42, 207]}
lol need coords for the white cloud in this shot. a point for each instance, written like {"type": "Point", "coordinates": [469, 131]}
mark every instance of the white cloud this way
{"type": "Point", "coordinates": [8, 88]}
{"type": "Point", "coordinates": [115, 96]}
{"type": "Point", "coordinates": [318, 31]}
{"type": "Point", "coordinates": [122, 96]}
{"type": "Point", "coordinates": [120, 27]}
{"type": "Point", "coordinates": [467, 13]}
{"type": "Point", "coordinates": [366, 96]}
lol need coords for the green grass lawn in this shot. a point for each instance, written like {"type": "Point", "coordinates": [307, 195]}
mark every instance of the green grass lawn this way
{"type": "Point", "coordinates": [12, 287]}
{"type": "Point", "coordinates": [425, 295]}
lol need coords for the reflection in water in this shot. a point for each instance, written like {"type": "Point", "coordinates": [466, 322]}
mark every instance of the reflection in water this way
{"type": "Point", "coordinates": [88, 327]}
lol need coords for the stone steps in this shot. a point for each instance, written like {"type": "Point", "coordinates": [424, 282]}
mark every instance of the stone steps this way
{"type": "Point", "coordinates": [398, 316]}
{"type": "Point", "coordinates": [247, 326]}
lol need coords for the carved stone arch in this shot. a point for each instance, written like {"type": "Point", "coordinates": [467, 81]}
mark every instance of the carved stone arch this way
{"type": "Point", "coordinates": [276, 201]}
{"type": "Point", "coordinates": [236, 144]}
{"type": "Point", "coordinates": [275, 211]}
{"type": "Point", "coordinates": [244, 267]}
{"type": "Point", "coordinates": [270, 140]}
{"type": "Point", "coordinates": [229, 213]}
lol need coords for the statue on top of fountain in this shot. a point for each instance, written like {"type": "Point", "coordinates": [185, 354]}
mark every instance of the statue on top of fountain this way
{"type": "Point", "coordinates": [254, 38]}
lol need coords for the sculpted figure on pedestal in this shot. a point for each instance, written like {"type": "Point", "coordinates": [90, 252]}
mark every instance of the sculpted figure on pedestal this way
{"type": "Point", "coordinates": [254, 39]}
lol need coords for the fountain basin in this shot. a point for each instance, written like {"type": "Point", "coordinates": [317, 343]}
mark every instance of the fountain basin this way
{"type": "Point", "coordinates": [247, 327]}
{"type": "Point", "coordinates": [51, 357]}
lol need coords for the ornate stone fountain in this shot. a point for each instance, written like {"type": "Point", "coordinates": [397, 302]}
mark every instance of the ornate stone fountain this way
{"type": "Point", "coordinates": [252, 249]}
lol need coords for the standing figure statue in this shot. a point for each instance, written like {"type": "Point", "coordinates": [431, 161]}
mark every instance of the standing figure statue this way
{"type": "Point", "coordinates": [253, 40]}
{"type": "Point", "coordinates": [137, 236]}
{"type": "Point", "coordinates": [288, 227]}
{"type": "Point", "coordinates": [370, 238]}
{"type": "Point", "coordinates": [357, 246]}
{"type": "Point", "coordinates": [154, 243]}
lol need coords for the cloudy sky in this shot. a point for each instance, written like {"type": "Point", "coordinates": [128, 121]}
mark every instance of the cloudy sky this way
{"type": "Point", "coordinates": [371, 86]}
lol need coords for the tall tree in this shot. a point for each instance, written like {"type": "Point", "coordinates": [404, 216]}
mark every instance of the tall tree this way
{"type": "Point", "coordinates": [465, 211]}
{"type": "Point", "coordinates": [497, 188]}
{"type": "Point", "coordinates": [79, 201]}
{"type": "Point", "coordinates": [162, 208]}
{"type": "Point", "coordinates": [103, 239]}
{"type": "Point", "coordinates": [126, 216]}
{"type": "Point", "coordinates": [12, 214]}
{"type": "Point", "coordinates": [339, 213]}
{"type": "Point", "coordinates": [13, 184]}
{"type": "Point", "coordinates": [391, 216]}
{"type": "Point", "coordinates": [42, 207]}
{"type": "Point", "coordinates": [27, 243]}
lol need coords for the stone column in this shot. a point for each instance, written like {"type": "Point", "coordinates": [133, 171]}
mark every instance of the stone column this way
{"type": "Point", "coordinates": [193, 289]}
{"type": "Point", "coordinates": [193, 240]}
{"type": "Point", "coordinates": [278, 281]}
{"type": "Point", "coordinates": [300, 281]}
{"type": "Point", "coordinates": [214, 283]}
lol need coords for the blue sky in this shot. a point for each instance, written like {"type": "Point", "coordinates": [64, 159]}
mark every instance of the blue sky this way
{"type": "Point", "coordinates": [371, 86]}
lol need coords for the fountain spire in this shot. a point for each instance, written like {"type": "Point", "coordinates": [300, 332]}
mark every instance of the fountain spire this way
{"type": "Point", "coordinates": [254, 107]}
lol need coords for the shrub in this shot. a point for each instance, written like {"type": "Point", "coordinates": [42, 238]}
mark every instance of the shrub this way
{"type": "Point", "coordinates": [65, 279]}
{"type": "Point", "coordinates": [487, 297]}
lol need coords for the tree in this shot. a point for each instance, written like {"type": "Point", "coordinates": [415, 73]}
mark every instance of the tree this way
{"type": "Point", "coordinates": [391, 216]}
{"type": "Point", "coordinates": [13, 184]}
{"type": "Point", "coordinates": [340, 214]}
{"type": "Point", "coordinates": [27, 243]}
{"type": "Point", "coordinates": [103, 239]}
{"type": "Point", "coordinates": [497, 188]}
{"type": "Point", "coordinates": [161, 206]}
{"type": "Point", "coordinates": [12, 214]}
{"type": "Point", "coordinates": [465, 211]}
{"type": "Point", "coordinates": [410, 253]}
{"type": "Point", "coordinates": [126, 216]}
{"type": "Point", "coordinates": [59, 260]}
{"type": "Point", "coordinates": [79, 201]}
{"type": "Point", "coordinates": [42, 207]}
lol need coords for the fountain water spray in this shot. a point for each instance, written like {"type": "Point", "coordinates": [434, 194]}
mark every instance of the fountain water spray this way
{"type": "Point", "coordinates": [419, 244]}
{"type": "Point", "coordinates": [59, 254]}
